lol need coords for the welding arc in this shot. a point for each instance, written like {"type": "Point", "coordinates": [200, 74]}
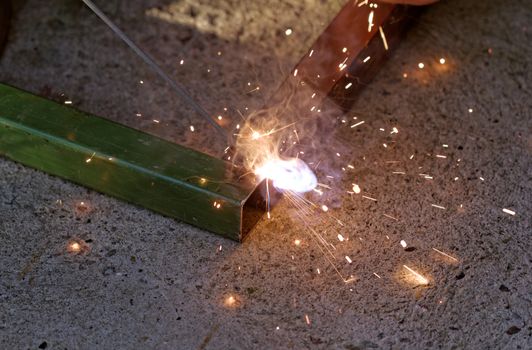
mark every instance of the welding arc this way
{"type": "Point", "coordinates": [178, 88]}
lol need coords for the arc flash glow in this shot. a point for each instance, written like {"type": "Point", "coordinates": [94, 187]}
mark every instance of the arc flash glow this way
{"type": "Point", "coordinates": [288, 175]}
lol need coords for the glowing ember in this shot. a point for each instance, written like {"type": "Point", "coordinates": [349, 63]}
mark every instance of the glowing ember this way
{"type": "Point", "coordinates": [74, 247]}
{"type": "Point", "coordinates": [288, 175]}
{"type": "Point", "coordinates": [230, 301]}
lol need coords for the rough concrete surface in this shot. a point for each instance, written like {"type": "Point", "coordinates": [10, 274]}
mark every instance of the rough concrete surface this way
{"type": "Point", "coordinates": [142, 280]}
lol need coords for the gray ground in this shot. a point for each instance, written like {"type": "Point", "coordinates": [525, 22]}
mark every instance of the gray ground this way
{"type": "Point", "coordinates": [145, 281]}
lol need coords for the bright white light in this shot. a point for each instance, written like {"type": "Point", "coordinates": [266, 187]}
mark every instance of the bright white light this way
{"type": "Point", "coordinates": [288, 174]}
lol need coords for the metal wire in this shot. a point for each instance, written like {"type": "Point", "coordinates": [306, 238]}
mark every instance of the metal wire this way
{"type": "Point", "coordinates": [177, 87]}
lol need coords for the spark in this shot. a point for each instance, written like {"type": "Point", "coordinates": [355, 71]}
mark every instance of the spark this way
{"type": "Point", "coordinates": [365, 2]}
{"type": "Point", "coordinates": [348, 85]}
{"type": "Point", "coordinates": [156, 121]}
{"type": "Point", "coordinates": [68, 102]}
{"type": "Point", "coordinates": [356, 188]}
{"type": "Point", "coordinates": [288, 32]}
{"type": "Point", "coordinates": [438, 206]}
{"type": "Point", "coordinates": [297, 242]}
{"type": "Point", "coordinates": [344, 50]}
{"type": "Point", "coordinates": [383, 37]}
{"type": "Point", "coordinates": [391, 217]}
{"type": "Point", "coordinates": [394, 130]}
{"type": "Point", "coordinates": [220, 117]}
{"type": "Point", "coordinates": [366, 59]}
{"type": "Point", "coordinates": [440, 156]}
{"type": "Point", "coordinates": [508, 211]}
{"type": "Point", "coordinates": [419, 278]}
{"type": "Point", "coordinates": [470, 110]}
{"type": "Point", "coordinates": [442, 60]}
{"type": "Point", "coordinates": [295, 72]}
{"type": "Point", "coordinates": [181, 62]}
{"type": "Point", "coordinates": [343, 64]}
{"type": "Point", "coordinates": [310, 53]}
{"type": "Point", "coordinates": [481, 178]}
{"type": "Point", "coordinates": [340, 237]}
{"type": "Point", "coordinates": [377, 275]}
{"type": "Point", "coordinates": [357, 124]}
{"type": "Point", "coordinates": [405, 75]}
{"type": "Point", "coordinates": [372, 199]}
{"type": "Point", "coordinates": [403, 243]}
{"type": "Point", "coordinates": [350, 279]}
{"type": "Point", "coordinates": [88, 160]}
{"type": "Point", "coordinates": [348, 259]}
{"type": "Point", "coordinates": [445, 254]}
{"type": "Point", "coordinates": [325, 208]}
{"type": "Point", "coordinates": [421, 65]}
{"type": "Point", "coordinates": [217, 205]}
{"type": "Point", "coordinates": [307, 319]}
{"type": "Point", "coordinates": [192, 128]}
{"type": "Point", "coordinates": [370, 21]}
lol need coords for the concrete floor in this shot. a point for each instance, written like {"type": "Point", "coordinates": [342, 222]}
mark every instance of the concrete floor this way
{"type": "Point", "coordinates": [145, 281]}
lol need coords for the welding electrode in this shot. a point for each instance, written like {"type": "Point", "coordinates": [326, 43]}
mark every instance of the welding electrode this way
{"type": "Point", "coordinates": [178, 88]}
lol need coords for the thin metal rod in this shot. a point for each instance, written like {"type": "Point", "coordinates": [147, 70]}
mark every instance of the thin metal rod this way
{"type": "Point", "coordinates": [178, 88]}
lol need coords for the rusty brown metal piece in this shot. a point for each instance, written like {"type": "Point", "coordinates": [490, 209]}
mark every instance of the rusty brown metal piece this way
{"type": "Point", "coordinates": [340, 55]}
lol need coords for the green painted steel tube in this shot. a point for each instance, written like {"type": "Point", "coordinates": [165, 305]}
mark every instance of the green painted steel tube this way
{"type": "Point", "coordinates": [126, 163]}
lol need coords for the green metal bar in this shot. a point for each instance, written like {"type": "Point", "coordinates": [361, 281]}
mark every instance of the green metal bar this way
{"type": "Point", "coordinates": [126, 163]}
